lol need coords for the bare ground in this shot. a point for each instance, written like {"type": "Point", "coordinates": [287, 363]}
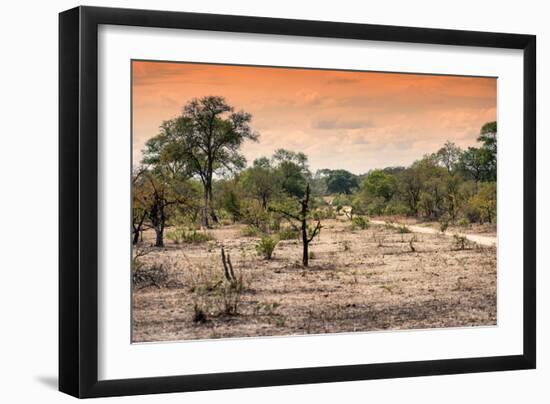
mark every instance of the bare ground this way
{"type": "Point", "coordinates": [360, 280]}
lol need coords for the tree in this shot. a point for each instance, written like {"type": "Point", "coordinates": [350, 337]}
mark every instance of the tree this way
{"type": "Point", "coordinates": [139, 204]}
{"type": "Point", "coordinates": [206, 138]}
{"type": "Point", "coordinates": [260, 181]}
{"type": "Point", "coordinates": [302, 216]}
{"type": "Point", "coordinates": [380, 184]}
{"type": "Point", "coordinates": [488, 151]}
{"type": "Point", "coordinates": [484, 203]}
{"type": "Point", "coordinates": [341, 182]}
{"type": "Point", "coordinates": [449, 156]}
{"type": "Point", "coordinates": [157, 196]}
{"type": "Point", "coordinates": [292, 169]}
{"type": "Point", "coordinates": [410, 185]}
{"type": "Point", "coordinates": [472, 163]}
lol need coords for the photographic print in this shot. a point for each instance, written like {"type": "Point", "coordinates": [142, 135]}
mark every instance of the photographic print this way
{"type": "Point", "coordinates": [273, 201]}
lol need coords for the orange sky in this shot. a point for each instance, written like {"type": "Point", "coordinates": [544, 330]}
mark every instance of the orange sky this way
{"type": "Point", "coordinates": [351, 120]}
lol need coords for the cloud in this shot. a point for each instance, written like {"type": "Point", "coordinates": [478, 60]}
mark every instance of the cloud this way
{"type": "Point", "coordinates": [342, 80]}
{"type": "Point", "coordinates": [327, 124]}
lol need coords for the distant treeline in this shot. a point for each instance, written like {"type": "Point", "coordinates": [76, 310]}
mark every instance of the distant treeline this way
{"type": "Point", "coordinates": [193, 174]}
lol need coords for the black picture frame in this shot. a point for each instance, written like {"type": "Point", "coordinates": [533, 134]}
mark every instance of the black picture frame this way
{"type": "Point", "coordinates": [78, 201]}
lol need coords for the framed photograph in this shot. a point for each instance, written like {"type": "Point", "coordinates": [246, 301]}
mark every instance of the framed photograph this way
{"type": "Point", "coordinates": [251, 201]}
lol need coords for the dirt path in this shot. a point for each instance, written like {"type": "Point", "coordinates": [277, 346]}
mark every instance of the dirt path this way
{"type": "Point", "coordinates": [476, 238]}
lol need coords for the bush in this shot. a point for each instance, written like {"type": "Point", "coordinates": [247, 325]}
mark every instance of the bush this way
{"type": "Point", "coordinates": [266, 246]}
{"type": "Point", "coordinates": [460, 241]}
{"type": "Point", "coordinates": [182, 235]}
{"type": "Point", "coordinates": [212, 293]}
{"type": "Point", "coordinates": [251, 231]}
{"type": "Point", "coordinates": [463, 222]}
{"type": "Point", "coordinates": [288, 233]}
{"type": "Point", "coordinates": [360, 222]}
{"type": "Point", "coordinates": [324, 213]}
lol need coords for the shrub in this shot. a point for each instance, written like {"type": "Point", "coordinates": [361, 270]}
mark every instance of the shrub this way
{"type": "Point", "coordinates": [360, 222]}
{"type": "Point", "coordinates": [463, 222]}
{"type": "Point", "coordinates": [311, 255]}
{"type": "Point", "coordinates": [460, 241]}
{"type": "Point", "coordinates": [153, 276]}
{"type": "Point", "coordinates": [288, 233]}
{"type": "Point", "coordinates": [255, 215]}
{"type": "Point", "coordinates": [199, 313]}
{"type": "Point", "coordinates": [251, 231]}
{"type": "Point", "coordinates": [275, 223]}
{"type": "Point", "coordinates": [266, 246]}
{"type": "Point", "coordinates": [182, 235]}
{"type": "Point", "coordinates": [324, 213]}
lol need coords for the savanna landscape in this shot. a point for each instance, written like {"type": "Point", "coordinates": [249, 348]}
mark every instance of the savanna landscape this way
{"type": "Point", "coordinates": [244, 230]}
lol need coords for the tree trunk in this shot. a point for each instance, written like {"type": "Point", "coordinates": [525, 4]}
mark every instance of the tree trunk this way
{"type": "Point", "coordinates": [205, 210]}
{"type": "Point", "coordinates": [159, 240]}
{"type": "Point", "coordinates": [135, 239]}
{"type": "Point", "coordinates": [305, 241]}
{"type": "Point", "coordinates": [305, 253]}
{"type": "Point", "coordinates": [208, 212]}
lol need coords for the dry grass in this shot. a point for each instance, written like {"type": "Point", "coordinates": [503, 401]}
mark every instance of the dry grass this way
{"type": "Point", "coordinates": [360, 280]}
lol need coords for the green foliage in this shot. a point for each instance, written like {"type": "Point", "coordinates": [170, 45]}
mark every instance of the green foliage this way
{"type": "Point", "coordinates": [327, 212]}
{"type": "Point", "coordinates": [341, 182]}
{"type": "Point", "coordinates": [379, 184]}
{"type": "Point", "coordinates": [449, 156]}
{"type": "Point", "coordinates": [266, 246]}
{"type": "Point", "coordinates": [288, 233]}
{"type": "Point", "coordinates": [255, 215]}
{"type": "Point", "coordinates": [360, 222]}
{"type": "Point", "coordinates": [182, 235]}
{"type": "Point", "coordinates": [251, 231]}
{"type": "Point", "coordinates": [292, 171]}
{"type": "Point", "coordinates": [482, 207]}
{"type": "Point", "coordinates": [261, 181]}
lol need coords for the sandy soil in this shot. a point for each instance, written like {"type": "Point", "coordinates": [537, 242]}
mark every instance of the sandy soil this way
{"type": "Point", "coordinates": [360, 280]}
{"type": "Point", "coordinates": [486, 239]}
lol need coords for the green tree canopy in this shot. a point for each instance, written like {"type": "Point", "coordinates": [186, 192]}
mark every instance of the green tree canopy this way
{"type": "Point", "coordinates": [341, 182]}
{"type": "Point", "coordinates": [205, 139]}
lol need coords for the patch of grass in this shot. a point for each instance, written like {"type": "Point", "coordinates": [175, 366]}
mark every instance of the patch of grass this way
{"type": "Point", "coordinates": [143, 277]}
{"type": "Point", "coordinates": [347, 245]}
{"type": "Point", "coordinates": [182, 235]}
{"type": "Point", "coordinates": [402, 229]}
